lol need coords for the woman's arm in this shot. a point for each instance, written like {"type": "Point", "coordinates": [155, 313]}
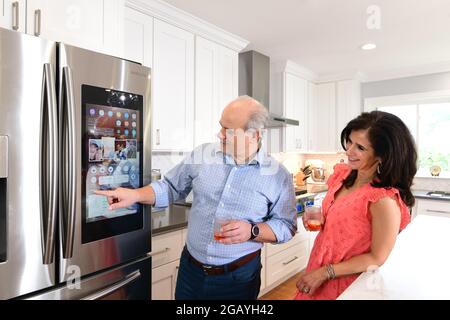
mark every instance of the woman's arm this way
{"type": "Point", "coordinates": [386, 217]}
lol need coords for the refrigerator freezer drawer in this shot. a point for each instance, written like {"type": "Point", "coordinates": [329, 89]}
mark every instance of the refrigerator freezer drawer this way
{"type": "Point", "coordinates": [128, 282]}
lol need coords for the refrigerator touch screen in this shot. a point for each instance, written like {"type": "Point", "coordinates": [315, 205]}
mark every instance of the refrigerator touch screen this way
{"type": "Point", "coordinates": [112, 158]}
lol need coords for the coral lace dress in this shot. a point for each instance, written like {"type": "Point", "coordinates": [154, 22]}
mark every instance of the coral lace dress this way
{"type": "Point", "coordinates": [347, 231]}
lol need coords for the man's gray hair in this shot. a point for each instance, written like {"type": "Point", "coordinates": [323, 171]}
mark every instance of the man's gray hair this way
{"type": "Point", "coordinates": [258, 120]}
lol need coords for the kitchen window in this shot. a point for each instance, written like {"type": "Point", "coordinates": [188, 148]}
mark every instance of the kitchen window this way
{"type": "Point", "coordinates": [429, 123]}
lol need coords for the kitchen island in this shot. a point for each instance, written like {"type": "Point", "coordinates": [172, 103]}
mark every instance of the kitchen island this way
{"type": "Point", "coordinates": [417, 268]}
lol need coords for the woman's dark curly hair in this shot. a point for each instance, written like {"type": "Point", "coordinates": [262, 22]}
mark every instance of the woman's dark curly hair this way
{"type": "Point", "coordinates": [394, 145]}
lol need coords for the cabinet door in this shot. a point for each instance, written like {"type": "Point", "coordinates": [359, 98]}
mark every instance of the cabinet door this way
{"type": "Point", "coordinates": [173, 88]}
{"type": "Point", "coordinates": [164, 280]}
{"type": "Point", "coordinates": [295, 107]}
{"type": "Point", "coordinates": [228, 78]}
{"type": "Point", "coordinates": [322, 121]}
{"type": "Point", "coordinates": [348, 105]}
{"type": "Point", "coordinates": [138, 37]}
{"type": "Point", "coordinates": [216, 84]}
{"type": "Point", "coordinates": [206, 91]}
{"type": "Point", "coordinates": [90, 24]}
{"type": "Point", "coordinates": [13, 15]}
{"type": "Point", "coordinates": [433, 207]}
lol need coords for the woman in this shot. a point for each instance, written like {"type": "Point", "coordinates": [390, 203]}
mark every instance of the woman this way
{"type": "Point", "coordinates": [366, 205]}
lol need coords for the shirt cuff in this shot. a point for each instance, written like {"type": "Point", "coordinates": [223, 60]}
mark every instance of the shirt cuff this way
{"type": "Point", "coordinates": [161, 194]}
{"type": "Point", "coordinates": [282, 231]}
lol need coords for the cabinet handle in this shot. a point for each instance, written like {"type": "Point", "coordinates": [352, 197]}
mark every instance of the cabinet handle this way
{"type": "Point", "coordinates": [158, 137]}
{"type": "Point", "coordinates": [152, 254]}
{"type": "Point", "coordinates": [292, 260]}
{"type": "Point", "coordinates": [438, 211]}
{"type": "Point", "coordinates": [15, 16]}
{"type": "Point", "coordinates": [37, 22]}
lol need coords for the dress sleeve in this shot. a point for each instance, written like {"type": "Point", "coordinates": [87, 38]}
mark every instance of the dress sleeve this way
{"type": "Point", "coordinates": [379, 193]}
{"type": "Point", "coordinates": [340, 171]}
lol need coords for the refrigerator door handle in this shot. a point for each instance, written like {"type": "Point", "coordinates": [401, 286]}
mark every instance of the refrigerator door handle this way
{"type": "Point", "coordinates": [116, 286]}
{"type": "Point", "coordinates": [68, 164]}
{"type": "Point", "coordinates": [48, 163]}
{"type": "Point", "coordinates": [37, 23]}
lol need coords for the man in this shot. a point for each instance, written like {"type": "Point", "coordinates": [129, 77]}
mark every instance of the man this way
{"type": "Point", "coordinates": [232, 181]}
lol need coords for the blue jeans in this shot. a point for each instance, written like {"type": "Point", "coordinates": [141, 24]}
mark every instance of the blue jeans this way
{"type": "Point", "coordinates": [240, 284]}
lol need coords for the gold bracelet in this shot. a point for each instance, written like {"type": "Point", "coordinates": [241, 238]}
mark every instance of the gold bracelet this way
{"type": "Point", "coordinates": [330, 272]}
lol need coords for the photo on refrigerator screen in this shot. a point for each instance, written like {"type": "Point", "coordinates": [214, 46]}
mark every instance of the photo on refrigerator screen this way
{"type": "Point", "coordinates": [121, 149]}
{"type": "Point", "coordinates": [95, 150]}
{"type": "Point", "coordinates": [131, 149]}
{"type": "Point", "coordinates": [109, 148]}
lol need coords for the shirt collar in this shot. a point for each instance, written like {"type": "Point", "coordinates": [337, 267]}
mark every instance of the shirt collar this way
{"type": "Point", "coordinates": [258, 159]}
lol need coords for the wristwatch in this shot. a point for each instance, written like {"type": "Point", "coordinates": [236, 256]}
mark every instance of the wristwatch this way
{"type": "Point", "coordinates": [254, 231]}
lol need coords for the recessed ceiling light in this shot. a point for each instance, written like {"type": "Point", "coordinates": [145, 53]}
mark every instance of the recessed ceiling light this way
{"type": "Point", "coordinates": [369, 46]}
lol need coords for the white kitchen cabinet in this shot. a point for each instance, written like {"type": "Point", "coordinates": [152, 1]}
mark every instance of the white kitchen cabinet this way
{"type": "Point", "coordinates": [216, 84]}
{"type": "Point", "coordinates": [348, 105]}
{"type": "Point", "coordinates": [173, 88]}
{"type": "Point", "coordinates": [164, 280]}
{"type": "Point", "coordinates": [166, 248]}
{"type": "Point", "coordinates": [432, 207]}
{"type": "Point", "coordinates": [13, 15]}
{"type": "Point", "coordinates": [138, 37]}
{"type": "Point", "coordinates": [322, 125]}
{"type": "Point", "coordinates": [283, 265]}
{"type": "Point", "coordinates": [296, 107]}
{"type": "Point", "coordinates": [92, 24]}
{"type": "Point", "coordinates": [263, 270]}
{"type": "Point", "coordinates": [166, 253]}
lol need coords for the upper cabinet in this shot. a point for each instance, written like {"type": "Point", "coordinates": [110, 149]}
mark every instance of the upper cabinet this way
{"type": "Point", "coordinates": [296, 107]}
{"type": "Point", "coordinates": [322, 125]}
{"type": "Point", "coordinates": [173, 88]}
{"type": "Point", "coordinates": [216, 84]}
{"type": "Point", "coordinates": [13, 15]}
{"type": "Point", "coordinates": [138, 39]}
{"type": "Point", "coordinates": [348, 105]}
{"type": "Point", "coordinates": [332, 106]}
{"type": "Point", "coordinates": [89, 24]}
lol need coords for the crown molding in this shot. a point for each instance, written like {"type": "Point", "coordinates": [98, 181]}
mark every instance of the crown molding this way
{"type": "Point", "coordinates": [405, 72]}
{"type": "Point", "coordinates": [291, 67]}
{"type": "Point", "coordinates": [168, 13]}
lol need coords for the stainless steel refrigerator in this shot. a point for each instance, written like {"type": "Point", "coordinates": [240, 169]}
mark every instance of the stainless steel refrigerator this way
{"type": "Point", "coordinates": [71, 122]}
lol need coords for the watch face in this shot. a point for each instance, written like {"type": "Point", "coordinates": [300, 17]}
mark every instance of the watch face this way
{"type": "Point", "coordinates": [255, 230]}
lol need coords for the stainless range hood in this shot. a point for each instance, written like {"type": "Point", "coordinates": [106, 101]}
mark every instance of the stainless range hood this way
{"type": "Point", "coordinates": [254, 81]}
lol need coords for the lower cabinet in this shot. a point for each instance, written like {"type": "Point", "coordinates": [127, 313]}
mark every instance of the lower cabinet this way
{"type": "Point", "coordinates": [431, 207]}
{"type": "Point", "coordinates": [164, 280]}
{"type": "Point", "coordinates": [166, 252]}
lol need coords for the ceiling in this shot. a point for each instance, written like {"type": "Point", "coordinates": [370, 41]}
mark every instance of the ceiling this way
{"type": "Point", "coordinates": [325, 36]}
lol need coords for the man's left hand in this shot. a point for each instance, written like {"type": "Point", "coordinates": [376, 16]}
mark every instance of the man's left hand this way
{"type": "Point", "coordinates": [235, 231]}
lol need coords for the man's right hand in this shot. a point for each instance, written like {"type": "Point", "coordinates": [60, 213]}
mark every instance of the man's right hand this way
{"type": "Point", "coordinates": [120, 197]}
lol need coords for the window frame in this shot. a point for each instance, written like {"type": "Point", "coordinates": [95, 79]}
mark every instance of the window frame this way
{"type": "Point", "coordinates": [416, 99]}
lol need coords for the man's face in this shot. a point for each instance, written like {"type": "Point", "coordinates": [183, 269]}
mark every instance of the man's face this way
{"type": "Point", "coordinates": [234, 139]}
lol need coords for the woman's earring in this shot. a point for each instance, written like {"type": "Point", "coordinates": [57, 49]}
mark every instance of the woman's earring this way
{"type": "Point", "coordinates": [379, 168]}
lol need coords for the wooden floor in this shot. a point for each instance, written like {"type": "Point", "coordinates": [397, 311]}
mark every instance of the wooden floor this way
{"type": "Point", "coordinates": [285, 291]}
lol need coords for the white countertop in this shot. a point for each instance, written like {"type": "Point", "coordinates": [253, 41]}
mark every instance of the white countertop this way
{"type": "Point", "coordinates": [418, 267]}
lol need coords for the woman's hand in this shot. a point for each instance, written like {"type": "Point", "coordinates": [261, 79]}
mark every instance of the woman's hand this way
{"type": "Point", "coordinates": [309, 281]}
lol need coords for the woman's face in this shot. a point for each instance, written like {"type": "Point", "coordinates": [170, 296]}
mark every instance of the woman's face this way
{"type": "Point", "coordinates": [360, 153]}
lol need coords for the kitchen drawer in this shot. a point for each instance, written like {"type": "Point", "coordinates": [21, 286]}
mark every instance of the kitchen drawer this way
{"type": "Point", "coordinates": [300, 236]}
{"type": "Point", "coordinates": [291, 260]}
{"type": "Point", "coordinates": [166, 248]}
{"type": "Point", "coordinates": [433, 207]}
